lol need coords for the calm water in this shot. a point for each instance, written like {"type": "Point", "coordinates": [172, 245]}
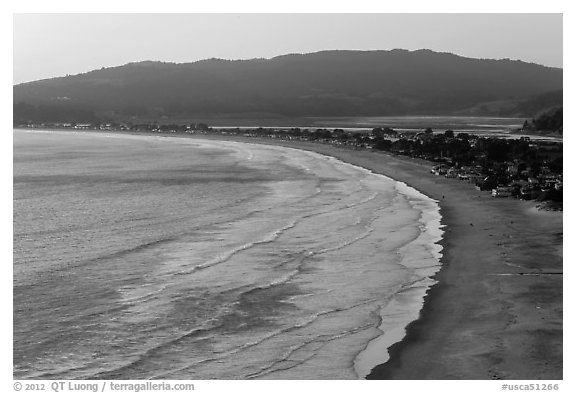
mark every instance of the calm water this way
{"type": "Point", "coordinates": [438, 123]}
{"type": "Point", "coordinates": [148, 257]}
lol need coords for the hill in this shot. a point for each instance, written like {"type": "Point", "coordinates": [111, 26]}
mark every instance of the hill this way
{"type": "Point", "coordinates": [329, 83]}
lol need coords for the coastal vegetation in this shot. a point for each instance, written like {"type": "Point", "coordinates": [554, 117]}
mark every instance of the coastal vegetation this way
{"type": "Point", "coordinates": [547, 122]}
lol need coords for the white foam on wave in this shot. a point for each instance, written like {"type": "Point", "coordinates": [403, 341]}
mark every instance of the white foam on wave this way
{"type": "Point", "coordinates": [420, 256]}
{"type": "Point", "coordinates": [395, 313]}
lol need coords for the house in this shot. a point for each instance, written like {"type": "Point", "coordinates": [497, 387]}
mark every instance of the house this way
{"type": "Point", "coordinates": [558, 185]}
{"type": "Point", "coordinates": [502, 192]}
{"type": "Point", "coordinates": [451, 173]}
{"type": "Point", "coordinates": [488, 183]}
{"type": "Point", "coordinates": [439, 170]}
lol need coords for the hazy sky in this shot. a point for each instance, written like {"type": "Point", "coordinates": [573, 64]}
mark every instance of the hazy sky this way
{"type": "Point", "coordinates": [49, 45]}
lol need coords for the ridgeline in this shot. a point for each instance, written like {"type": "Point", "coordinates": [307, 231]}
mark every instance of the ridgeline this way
{"type": "Point", "coordinates": [329, 83]}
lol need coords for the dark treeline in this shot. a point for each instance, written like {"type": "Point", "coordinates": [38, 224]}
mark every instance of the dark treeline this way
{"type": "Point", "coordinates": [548, 121]}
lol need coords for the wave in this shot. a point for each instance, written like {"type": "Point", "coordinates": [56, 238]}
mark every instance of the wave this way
{"type": "Point", "coordinates": [270, 237]}
{"type": "Point", "coordinates": [304, 324]}
{"type": "Point", "coordinates": [345, 244]}
{"type": "Point", "coordinates": [141, 298]}
{"type": "Point", "coordinates": [426, 259]}
{"type": "Point", "coordinates": [295, 231]}
{"type": "Point", "coordinates": [321, 340]}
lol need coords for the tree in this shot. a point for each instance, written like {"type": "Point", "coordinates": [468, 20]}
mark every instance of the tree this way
{"type": "Point", "coordinates": [382, 144]}
{"type": "Point", "coordinates": [556, 165]}
{"type": "Point", "coordinates": [338, 133]}
{"type": "Point", "coordinates": [377, 132]}
{"type": "Point", "coordinates": [498, 150]}
{"type": "Point", "coordinates": [526, 125]}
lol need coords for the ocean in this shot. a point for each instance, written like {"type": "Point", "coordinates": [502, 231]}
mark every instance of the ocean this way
{"type": "Point", "coordinates": [148, 257]}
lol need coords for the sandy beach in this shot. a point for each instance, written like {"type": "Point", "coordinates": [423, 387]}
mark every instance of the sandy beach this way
{"type": "Point", "coordinates": [496, 311]}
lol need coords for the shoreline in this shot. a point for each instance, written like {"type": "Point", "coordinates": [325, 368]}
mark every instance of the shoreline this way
{"type": "Point", "coordinates": [496, 310]}
{"type": "Point", "coordinates": [484, 318]}
{"type": "Point", "coordinates": [406, 305]}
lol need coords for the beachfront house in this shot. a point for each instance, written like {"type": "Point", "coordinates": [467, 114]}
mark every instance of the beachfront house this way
{"type": "Point", "coordinates": [502, 191]}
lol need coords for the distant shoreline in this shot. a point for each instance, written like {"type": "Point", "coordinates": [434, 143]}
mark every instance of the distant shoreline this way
{"type": "Point", "coordinates": [480, 320]}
